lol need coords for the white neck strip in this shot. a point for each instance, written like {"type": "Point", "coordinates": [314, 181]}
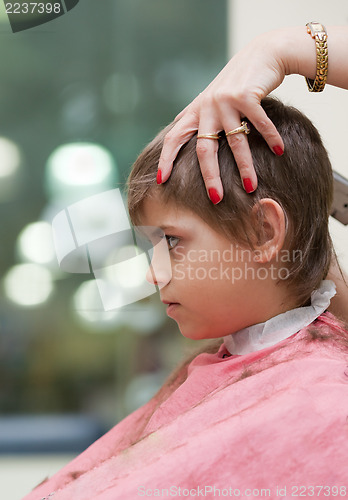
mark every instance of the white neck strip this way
{"type": "Point", "coordinates": [257, 337]}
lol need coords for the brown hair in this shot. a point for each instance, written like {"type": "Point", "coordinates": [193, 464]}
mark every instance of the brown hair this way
{"type": "Point", "coordinates": [300, 181]}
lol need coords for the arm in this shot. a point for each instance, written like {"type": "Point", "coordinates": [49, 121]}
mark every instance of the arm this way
{"type": "Point", "coordinates": [303, 64]}
{"type": "Point", "coordinates": [237, 91]}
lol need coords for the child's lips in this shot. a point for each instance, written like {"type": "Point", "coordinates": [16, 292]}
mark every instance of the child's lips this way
{"type": "Point", "coordinates": [171, 306]}
{"type": "Point", "coordinates": [167, 302]}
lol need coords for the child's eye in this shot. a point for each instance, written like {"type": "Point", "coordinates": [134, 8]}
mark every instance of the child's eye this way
{"type": "Point", "coordinates": [172, 241]}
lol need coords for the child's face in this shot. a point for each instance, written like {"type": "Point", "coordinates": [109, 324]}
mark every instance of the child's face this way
{"type": "Point", "coordinates": [208, 291]}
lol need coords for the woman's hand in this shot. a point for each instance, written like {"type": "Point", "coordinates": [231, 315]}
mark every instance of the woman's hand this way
{"type": "Point", "coordinates": [234, 94]}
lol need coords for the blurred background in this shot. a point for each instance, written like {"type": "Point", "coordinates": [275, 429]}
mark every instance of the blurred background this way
{"type": "Point", "coordinates": [79, 99]}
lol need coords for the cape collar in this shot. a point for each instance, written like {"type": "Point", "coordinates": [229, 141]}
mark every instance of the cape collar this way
{"type": "Point", "coordinates": [257, 337]}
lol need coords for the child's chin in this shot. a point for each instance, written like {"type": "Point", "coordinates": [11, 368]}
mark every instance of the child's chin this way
{"type": "Point", "coordinates": [206, 334]}
{"type": "Point", "coordinates": [197, 334]}
{"type": "Point", "coordinates": [191, 334]}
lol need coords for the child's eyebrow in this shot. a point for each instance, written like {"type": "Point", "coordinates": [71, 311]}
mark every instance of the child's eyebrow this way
{"type": "Point", "coordinates": [159, 231]}
{"type": "Point", "coordinates": [151, 231]}
{"type": "Point", "coordinates": [168, 227]}
{"type": "Point", "coordinates": [155, 231]}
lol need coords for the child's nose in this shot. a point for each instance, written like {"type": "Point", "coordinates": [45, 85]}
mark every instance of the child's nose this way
{"type": "Point", "coordinates": [157, 278]}
{"type": "Point", "coordinates": [159, 272]}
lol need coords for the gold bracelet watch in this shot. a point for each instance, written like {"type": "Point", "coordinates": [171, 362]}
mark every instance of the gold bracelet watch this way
{"type": "Point", "coordinates": [319, 34]}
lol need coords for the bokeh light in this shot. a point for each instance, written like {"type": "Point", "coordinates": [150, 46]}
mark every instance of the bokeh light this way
{"type": "Point", "coordinates": [79, 170]}
{"type": "Point", "coordinates": [28, 285]}
{"type": "Point", "coordinates": [10, 162]}
{"type": "Point", "coordinates": [132, 273]}
{"type": "Point", "coordinates": [10, 157]}
{"type": "Point", "coordinates": [89, 309]}
{"type": "Point", "coordinates": [35, 243]}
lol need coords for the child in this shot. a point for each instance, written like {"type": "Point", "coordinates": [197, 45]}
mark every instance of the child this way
{"type": "Point", "coordinates": [264, 411]}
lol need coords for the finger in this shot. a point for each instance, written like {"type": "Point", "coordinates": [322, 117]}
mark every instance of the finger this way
{"type": "Point", "coordinates": [258, 117]}
{"type": "Point", "coordinates": [208, 160]}
{"type": "Point", "coordinates": [241, 151]}
{"type": "Point", "coordinates": [207, 153]}
{"type": "Point", "coordinates": [240, 148]}
{"type": "Point", "coordinates": [182, 113]}
{"type": "Point", "coordinates": [182, 132]}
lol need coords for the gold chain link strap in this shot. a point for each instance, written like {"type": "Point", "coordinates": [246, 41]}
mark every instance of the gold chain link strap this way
{"type": "Point", "coordinates": [318, 84]}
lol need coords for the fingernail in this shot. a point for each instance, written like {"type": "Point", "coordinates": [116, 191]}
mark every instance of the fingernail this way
{"type": "Point", "coordinates": [159, 177]}
{"type": "Point", "coordinates": [278, 150]}
{"type": "Point", "coordinates": [248, 186]}
{"type": "Point", "coordinates": [214, 196]}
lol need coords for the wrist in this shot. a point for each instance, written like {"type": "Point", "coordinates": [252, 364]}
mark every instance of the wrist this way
{"type": "Point", "coordinates": [297, 51]}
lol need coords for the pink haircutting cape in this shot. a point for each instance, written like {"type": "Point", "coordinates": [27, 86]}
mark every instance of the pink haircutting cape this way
{"type": "Point", "coordinates": [274, 420]}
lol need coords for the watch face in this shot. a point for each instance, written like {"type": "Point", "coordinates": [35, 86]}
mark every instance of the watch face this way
{"type": "Point", "coordinates": [315, 29]}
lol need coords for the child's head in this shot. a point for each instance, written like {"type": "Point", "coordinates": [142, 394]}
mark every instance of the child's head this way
{"type": "Point", "coordinates": [294, 193]}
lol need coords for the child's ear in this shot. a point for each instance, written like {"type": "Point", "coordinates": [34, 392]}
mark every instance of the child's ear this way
{"type": "Point", "coordinates": [269, 220]}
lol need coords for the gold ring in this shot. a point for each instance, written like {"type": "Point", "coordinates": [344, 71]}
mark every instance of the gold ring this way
{"type": "Point", "coordinates": [208, 136]}
{"type": "Point", "coordinates": [244, 128]}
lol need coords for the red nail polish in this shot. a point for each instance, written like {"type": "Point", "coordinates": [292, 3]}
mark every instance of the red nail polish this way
{"type": "Point", "coordinates": [248, 186]}
{"type": "Point", "coordinates": [214, 196]}
{"type": "Point", "coordinates": [278, 150]}
{"type": "Point", "coordinates": [159, 177]}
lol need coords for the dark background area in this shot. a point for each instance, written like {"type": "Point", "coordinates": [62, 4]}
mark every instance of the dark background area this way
{"type": "Point", "coordinates": [110, 73]}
